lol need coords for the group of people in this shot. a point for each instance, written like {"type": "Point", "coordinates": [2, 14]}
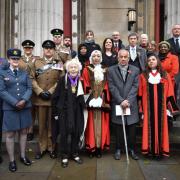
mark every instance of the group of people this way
{"type": "Point", "coordinates": [74, 96]}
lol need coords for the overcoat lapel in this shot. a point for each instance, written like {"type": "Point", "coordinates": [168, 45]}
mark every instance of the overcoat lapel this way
{"type": "Point", "coordinates": [118, 72]}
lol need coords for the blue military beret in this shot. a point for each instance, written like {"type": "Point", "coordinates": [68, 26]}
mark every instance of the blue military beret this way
{"type": "Point", "coordinates": [57, 32]}
{"type": "Point", "coordinates": [14, 53]}
{"type": "Point", "coordinates": [48, 44]}
{"type": "Point", "coordinates": [28, 43]}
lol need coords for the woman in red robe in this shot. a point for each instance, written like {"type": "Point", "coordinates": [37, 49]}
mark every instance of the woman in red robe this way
{"type": "Point", "coordinates": [155, 92]}
{"type": "Point", "coordinates": [169, 61]}
{"type": "Point", "coordinates": [97, 135]}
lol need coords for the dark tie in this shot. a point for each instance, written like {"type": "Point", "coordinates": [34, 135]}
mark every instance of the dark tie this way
{"type": "Point", "coordinates": [116, 47]}
{"type": "Point", "coordinates": [15, 72]}
{"type": "Point", "coordinates": [177, 44]}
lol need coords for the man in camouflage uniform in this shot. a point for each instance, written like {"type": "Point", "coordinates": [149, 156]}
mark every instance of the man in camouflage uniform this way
{"type": "Point", "coordinates": [61, 52]}
{"type": "Point", "coordinates": [45, 73]}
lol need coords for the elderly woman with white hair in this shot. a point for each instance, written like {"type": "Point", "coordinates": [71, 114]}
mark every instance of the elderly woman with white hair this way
{"type": "Point", "coordinates": [97, 136]}
{"type": "Point", "coordinates": [68, 101]}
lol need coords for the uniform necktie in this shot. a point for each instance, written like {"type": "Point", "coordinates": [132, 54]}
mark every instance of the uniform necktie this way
{"type": "Point", "coordinates": [177, 44]}
{"type": "Point", "coordinates": [15, 72]}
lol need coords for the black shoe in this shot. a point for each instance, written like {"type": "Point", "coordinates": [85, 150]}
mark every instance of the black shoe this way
{"type": "Point", "coordinates": [1, 159]}
{"type": "Point", "coordinates": [30, 136]}
{"type": "Point", "coordinates": [12, 166]}
{"type": "Point", "coordinates": [78, 160]}
{"type": "Point", "coordinates": [25, 161]}
{"type": "Point", "coordinates": [64, 163]}
{"type": "Point", "coordinates": [117, 154]}
{"type": "Point", "coordinates": [91, 155]}
{"type": "Point", "coordinates": [52, 154]}
{"type": "Point", "coordinates": [39, 155]}
{"type": "Point", "coordinates": [98, 153]}
{"type": "Point", "coordinates": [133, 155]}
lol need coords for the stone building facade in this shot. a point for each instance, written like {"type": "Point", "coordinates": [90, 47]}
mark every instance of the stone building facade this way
{"type": "Point", "coordinates": [24, 19]}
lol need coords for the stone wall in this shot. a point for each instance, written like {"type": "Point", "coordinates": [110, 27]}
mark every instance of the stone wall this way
{"type": "Point", "coordinates": [103, 17]}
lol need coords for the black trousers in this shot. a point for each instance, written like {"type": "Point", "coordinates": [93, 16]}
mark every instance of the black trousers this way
{"type": "Point", "coordinates": [69, 145]}
{"type": "Point", "coordinates": [130, 134]}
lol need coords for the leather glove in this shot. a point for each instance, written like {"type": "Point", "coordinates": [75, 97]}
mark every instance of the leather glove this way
{"type": "Point", "coordinates": [45, 95]}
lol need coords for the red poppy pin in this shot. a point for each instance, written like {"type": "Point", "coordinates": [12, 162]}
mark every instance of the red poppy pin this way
{"type": "Point", "coordinates": [129, 71]}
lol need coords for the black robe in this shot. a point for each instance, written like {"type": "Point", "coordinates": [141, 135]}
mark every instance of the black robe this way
{"type": "Point", "coordinates": [69, 108]}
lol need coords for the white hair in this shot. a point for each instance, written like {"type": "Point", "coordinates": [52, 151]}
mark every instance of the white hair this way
{"type": "Point", "coordinates": [91, 57]}
{"type": "Point", "coordinates": [74, 61]}
{"type": "Point", "coordinates": [144, 36]}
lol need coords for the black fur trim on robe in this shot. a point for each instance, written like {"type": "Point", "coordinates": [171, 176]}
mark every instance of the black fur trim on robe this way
{"type": "Point", "coordinates": [69, 108]}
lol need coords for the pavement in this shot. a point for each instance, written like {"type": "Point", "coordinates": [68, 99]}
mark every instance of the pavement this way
{"type": "Point", "coordinates": [105, 168]}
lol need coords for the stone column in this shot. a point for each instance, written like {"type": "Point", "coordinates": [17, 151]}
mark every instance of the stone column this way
{"type": "Point", "coordinates": [35, 20]}
{"type": "Point", "coordinates": [172, 15]}
{"type": "Point", "coordinates": [74, 24]}
{"type": "Point", "coordinates": [145, 17]}
{"type": "Point", "coordinates": [6, 26]}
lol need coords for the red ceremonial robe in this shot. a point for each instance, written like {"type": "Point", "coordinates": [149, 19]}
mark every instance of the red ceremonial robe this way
{"type": "Point", "coordinates": [155, 137]}
{"type": "Point", "coordinates": [88, 78]}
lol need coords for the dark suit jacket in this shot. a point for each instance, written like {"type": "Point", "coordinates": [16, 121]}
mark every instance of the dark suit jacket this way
{"type": "Point", "coordinates": [173, 47]}
{"type": "Point", "coordinates": [121, 90]}
{"type": "Point", "coordinates": [142, 56]}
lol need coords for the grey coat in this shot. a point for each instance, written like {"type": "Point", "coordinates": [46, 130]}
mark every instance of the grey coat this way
{"type": "Point", "coordinates": [121, 90]}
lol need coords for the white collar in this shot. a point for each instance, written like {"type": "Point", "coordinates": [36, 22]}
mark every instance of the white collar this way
{"type": "Point", "coordinates": [154, 77]}
{"type": "Point", "coordinates": [131, 48]}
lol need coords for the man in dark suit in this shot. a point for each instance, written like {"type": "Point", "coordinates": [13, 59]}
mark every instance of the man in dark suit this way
{"type": "Point", "coordinates": [123, 85]}
{"type": "Point", "coordinates": [138, 56]}
{"type": "Point", "coordinates": [175, 40]}
{"type": "Point", "coordinates": [118, 44]}
{"type": "Point", "coordinates": [175, 49]}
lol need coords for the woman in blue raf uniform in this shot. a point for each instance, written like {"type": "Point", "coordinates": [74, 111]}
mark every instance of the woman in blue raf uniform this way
{"type": "Point", "coordinates": [15, 90]}
{"type": "Point", "coordinates": [3, 64]}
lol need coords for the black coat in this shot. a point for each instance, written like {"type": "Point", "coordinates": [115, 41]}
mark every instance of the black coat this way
{"type": "Point", "coordinates": [69, 108]}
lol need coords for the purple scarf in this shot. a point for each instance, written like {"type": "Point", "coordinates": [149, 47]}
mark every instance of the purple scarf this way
{"type": "Point", "coordinates": [73, 80]}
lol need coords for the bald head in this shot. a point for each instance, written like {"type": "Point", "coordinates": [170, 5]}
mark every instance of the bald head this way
{"type": "Point", "coordinates": [176, 30]}
{"type": "Point", "coordinates": [144, 39]}
{"type": "Point", "coordinates": [123, 57]}
{"type": "Point", "coordinates": [116, 36]}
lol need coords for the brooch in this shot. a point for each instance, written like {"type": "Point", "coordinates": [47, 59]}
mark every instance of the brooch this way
{"type": "Point", "coordinates": [6, 79]}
